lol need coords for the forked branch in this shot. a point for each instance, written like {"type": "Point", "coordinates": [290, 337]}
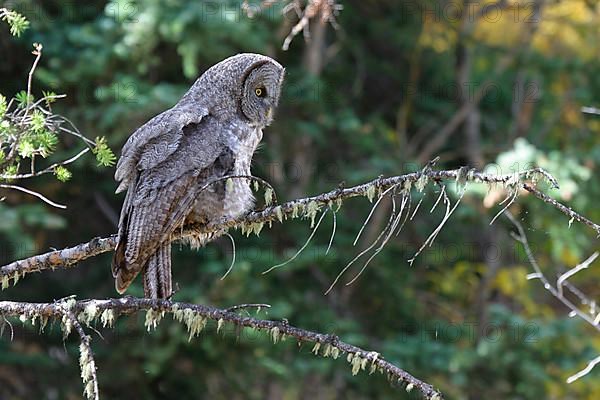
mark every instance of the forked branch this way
{"type": "Point", "coordinates": [556, 289]}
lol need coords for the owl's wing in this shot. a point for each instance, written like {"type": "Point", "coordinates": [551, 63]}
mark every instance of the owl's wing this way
{"type": "Point", "coordinates": [160, 197]}
{"type": "Point", "coordinates": [154, 142]}
{"type": "Point", "coordinates": [147, 223]}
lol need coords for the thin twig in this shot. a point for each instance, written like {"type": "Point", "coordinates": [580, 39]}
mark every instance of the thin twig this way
{"type": "Point", "coordinates": [46, 170]}
{"type": "Point", "coordinates": [574, 216]}
{"type": "Point", "coordinates": [594, 321]}
{"type": "Point", "coordinates": [33, 193]}
{"type": "Point", "coordinates": [579, 267]}
{"type": "Point", "coordinates": [521, 237]}
{"type": "Point", "coordinates": [442, 193]}
{"type": "Point", "coordinates": [584, 371]}
{"type": "Point", "coordinates": [37, 52]}
{"type": "Point", "coordinates": [385, 240]}
{"type": "Point", "coordinates": [364, 225]}
{"type": "Point", "coordinates": [312, 234]}
{"type": "Point", "coordinates": [365, 251]}
{"type": "Point", "coordinates": [449, 211]}
{"type": "Point", "coordinates": [512, 195]}
{"type": "Point", "coordinates": [232, 258]}
{"type": "Point", "coordinates": [333, 229]}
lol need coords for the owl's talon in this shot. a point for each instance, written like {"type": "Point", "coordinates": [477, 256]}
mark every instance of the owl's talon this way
{"type": "Point", "coordinates": [175, 290]}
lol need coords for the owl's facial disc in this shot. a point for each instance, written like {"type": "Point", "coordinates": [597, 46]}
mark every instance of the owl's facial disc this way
{"type": "Point", "coordinates": [260, 94]}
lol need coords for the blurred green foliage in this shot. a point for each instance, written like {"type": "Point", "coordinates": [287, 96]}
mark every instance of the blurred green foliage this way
{"type": "Point", "coordinates": [29, 128]}
{"type": "Point", "coordinates": [358, 102]}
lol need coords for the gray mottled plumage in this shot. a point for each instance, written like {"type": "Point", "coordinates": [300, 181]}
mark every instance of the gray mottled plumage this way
{"type": "Point", "coordinates": [211, 133]}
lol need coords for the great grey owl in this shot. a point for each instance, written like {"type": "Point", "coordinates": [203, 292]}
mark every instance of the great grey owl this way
{"type": "Point", "coordinates": [168, 164]}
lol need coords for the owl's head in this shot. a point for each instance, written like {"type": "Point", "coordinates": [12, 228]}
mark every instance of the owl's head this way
{"type": "Point", "coordinates": [248, 85]}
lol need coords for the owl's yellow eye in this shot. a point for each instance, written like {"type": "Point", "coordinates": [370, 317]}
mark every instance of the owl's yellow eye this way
{"type": "Point", "coordinates": [260, 92]}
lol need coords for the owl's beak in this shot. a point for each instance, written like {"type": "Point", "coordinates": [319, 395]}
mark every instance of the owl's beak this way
{"type": "Point", "coordinates": [270, 114]}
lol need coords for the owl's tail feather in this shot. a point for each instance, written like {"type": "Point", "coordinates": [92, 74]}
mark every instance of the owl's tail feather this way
{"type": "Point", "coordinates": [124, 274]}
{"type": "Point", "coordinates": [157, 274]}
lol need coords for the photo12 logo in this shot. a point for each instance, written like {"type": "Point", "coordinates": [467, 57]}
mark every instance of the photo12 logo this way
{"type": "Point", "coordinates": [471, 332]}
{"type": "Point", "coordinates": [472, 11]}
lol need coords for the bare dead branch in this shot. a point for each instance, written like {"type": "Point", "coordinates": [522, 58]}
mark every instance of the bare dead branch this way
{"type": "Point", "coordinates": [33, 193]}
{"type": "Point", "coordinates": [308, 208]}
{"type": "Point", "coordinates": [522, 238]}
{"type": "Point", "coordinates": [592, 318]}
{"type": "Point", "coordinates": [562, 280]}
{"type": "Point", "coordinates": [37, 52]}
{"type": "Point", "coordinates": [574, 216]}
{"type": "Point", "coordinates": [584, 371]}
{"type": "Point", "coordinates": [325, 10]}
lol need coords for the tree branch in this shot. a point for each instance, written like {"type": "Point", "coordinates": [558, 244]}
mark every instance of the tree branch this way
{"type": "Point", "coordinates": [304, 208]}
{"type": "Point", "coordinates": [574, 216]}
{"type": "Point", "coordinates": [195, 318]}
{"type": "Point", "coordinates": [592, 317]}
{"type": "Point", "coordinates": [33, 193]}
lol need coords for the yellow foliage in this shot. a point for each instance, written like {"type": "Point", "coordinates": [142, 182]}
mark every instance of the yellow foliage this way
{"type": "Point", "coordinates": [513, 283]}
{"type": "Point", "coordinates": [501, 28]}
{"type": "Point", "coordinates": [437, 35]}
{"type": "Point", "coordinates": [569, 258]}
{"type": "Point", "coordinates": [572, 115]}
{"type": "Point", "coordinates": [564, 28]}
{"type": "Point", "coordinates": [594, 126]}
{"type": "Point", "coordinates": [568, 28]}
{"type": "Point", "coordinates": [463, 276]}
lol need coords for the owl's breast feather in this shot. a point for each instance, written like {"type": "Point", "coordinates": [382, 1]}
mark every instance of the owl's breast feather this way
{"type": "Point", "coordinates": [238, 194]}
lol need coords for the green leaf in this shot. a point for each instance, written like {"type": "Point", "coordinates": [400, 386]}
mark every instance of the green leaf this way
{"type": "Point", "coordinates": [11, 170]}
{"type": "Point", "coordinates": [22, 98]}
{"type": "Point", "coordinates": [49, 96]}
{"type": "Point", "coordinates": [62, 174]}
{"type": "Point", "coordinates": [4, 126]}
{"type": "Point", "coordinates": [3, 106]}
{"type": "Point", "coordinates": [38, 122]}
{"type": "Point", "coordinates": [26, 149]}
{"type": "Point", "coordinates": [104, 154]}
{"type": "Point", "coordinates": [17, 22]}
{"type": "Point", "coordinates": [45, 142]}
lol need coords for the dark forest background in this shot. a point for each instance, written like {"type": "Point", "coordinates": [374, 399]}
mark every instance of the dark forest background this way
{"type": "Point", "coordinates": [378, 95]}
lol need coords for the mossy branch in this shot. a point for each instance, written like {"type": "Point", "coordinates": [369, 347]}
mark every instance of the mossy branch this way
{"type": "Point", "coordinates": [307, 207]}
{"type": "Point", "coordinates": [195, 318]}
